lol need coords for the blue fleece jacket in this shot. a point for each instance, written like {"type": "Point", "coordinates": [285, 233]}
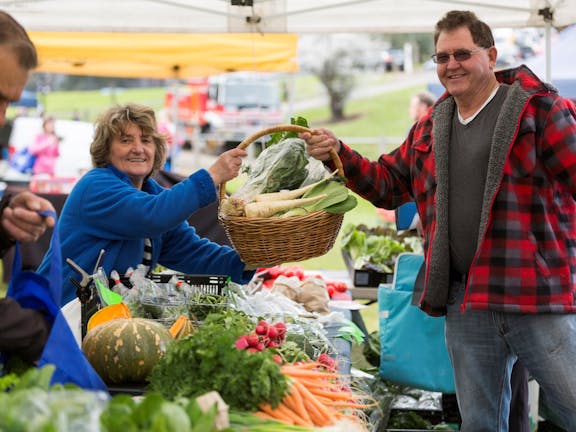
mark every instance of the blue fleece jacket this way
{"type": "Point", "coordinates": [104, 211]}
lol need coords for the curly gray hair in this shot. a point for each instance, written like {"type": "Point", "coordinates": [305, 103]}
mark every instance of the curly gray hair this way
{"type": "Point", "coordinates": [112, 124]}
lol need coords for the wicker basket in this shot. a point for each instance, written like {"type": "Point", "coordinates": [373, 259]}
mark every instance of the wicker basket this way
{"type": "Point", "coordinates": [272, 241]}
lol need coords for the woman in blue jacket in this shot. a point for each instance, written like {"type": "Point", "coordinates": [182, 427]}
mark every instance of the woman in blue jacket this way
{"type": "Point", "coordinates": [117, 205]}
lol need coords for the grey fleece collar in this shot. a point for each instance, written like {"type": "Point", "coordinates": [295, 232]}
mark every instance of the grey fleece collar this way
{"type": "Point", "coordinates": [437, 288]}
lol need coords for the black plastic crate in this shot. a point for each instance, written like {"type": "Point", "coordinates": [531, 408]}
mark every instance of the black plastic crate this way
{"type": "Point", "coordinates": [207, 284]}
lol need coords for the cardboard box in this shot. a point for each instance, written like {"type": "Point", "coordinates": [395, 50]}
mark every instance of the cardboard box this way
{"type": "Point", "coordinates": [365, 277]}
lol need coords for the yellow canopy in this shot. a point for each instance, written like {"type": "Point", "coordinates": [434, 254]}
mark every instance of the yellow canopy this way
{"type": "Point", "coordinates": [163, 55]}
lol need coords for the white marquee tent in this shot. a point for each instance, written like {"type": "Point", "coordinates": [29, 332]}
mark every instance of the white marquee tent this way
{"type": "Point", "coordinates": [278, 16]}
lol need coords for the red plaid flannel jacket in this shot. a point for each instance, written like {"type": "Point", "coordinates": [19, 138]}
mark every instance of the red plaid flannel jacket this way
{"type": "Point", "coordinates": [526, 256]}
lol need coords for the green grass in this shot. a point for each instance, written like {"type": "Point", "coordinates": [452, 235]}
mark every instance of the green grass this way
{"type": "Point", "coordinates": [89, 104]}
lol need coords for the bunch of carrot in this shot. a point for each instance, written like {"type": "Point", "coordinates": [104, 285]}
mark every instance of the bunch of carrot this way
{"type": "Point", "coordinates": [317, 398]}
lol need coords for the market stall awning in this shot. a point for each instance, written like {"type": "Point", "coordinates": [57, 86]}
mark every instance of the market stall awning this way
{"type": "Point", "coordinates": [278, 16]}
{"type": "Point", "coordinates": [163, 55]}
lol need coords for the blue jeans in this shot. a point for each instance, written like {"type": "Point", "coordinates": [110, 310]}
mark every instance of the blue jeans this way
{"type": "Point", "coordinates": [483, 347]}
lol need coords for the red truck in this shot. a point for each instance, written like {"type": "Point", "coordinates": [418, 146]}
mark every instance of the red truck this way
{"type": "Point", "coordinates": [224, 109]}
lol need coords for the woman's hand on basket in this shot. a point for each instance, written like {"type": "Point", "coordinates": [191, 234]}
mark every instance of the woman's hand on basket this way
{"type": "Point", "coordinates": [227, 166]}
{"type": "Point", "coordinates": [319, 142]}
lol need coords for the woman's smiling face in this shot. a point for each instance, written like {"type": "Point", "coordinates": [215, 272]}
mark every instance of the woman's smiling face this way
{"type": "Point", "coordinates": [133, 154]}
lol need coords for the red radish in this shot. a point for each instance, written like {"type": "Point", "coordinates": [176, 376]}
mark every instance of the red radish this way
{"type": "Point", "coordinates": [281, 327]}
{"type": "Point", "coordinates": [272, 332]}
{"type": "Point", "coordinates": [242, 342]}
{"type": "Point", "coordinates": [327, 361]}
{"type": "Point", "coordinates": [253, 340]}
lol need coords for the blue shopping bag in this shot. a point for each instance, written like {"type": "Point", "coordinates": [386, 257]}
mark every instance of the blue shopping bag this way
{"type": "Point", "coordinates": [61, 350]}
{"type": "Point", "coordinates": [412, 344]}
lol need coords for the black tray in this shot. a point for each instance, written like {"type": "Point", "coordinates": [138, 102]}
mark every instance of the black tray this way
{"type": "Point", "coordinates": [365, 278]}
{"type": "Point", "coordinates": [130, 389]}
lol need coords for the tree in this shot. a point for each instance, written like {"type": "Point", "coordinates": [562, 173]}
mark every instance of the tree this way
{"type": "Point", "coordinates": [332, 59]}
{"type": "Point", "coordinates": [338, 81]}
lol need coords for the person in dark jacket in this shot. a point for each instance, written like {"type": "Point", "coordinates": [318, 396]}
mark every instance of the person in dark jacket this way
{"type": "Point", "coordinates": [22, 331]}
{"type": "Point", "coordinates": [492, 169]}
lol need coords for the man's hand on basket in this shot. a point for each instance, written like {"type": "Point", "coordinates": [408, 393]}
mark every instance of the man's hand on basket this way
{"type": "Point", "coordinates": [319, 142]}
{"type": "Point", "coordinates": [227, 166]}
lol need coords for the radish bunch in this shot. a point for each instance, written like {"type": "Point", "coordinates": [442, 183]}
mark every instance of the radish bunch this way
{"type": "Point", "coordinates": [265, 336]}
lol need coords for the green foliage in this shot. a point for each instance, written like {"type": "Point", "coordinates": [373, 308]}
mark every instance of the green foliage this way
{"type": "Point", "coordinates": [278, 167]}
{"type": "Point", "coordinates": [336, 200]}
{"type": "Point", "coordinates": [243, 421]}
{"type": "Point", "coordinates": [155, 413]}
{"type": "Point", "coordinates": [375, 248]}
{"type": "Point", "coordinates": [208, 360]}
{"type": "Point", "coordinates": [31, 378]}
{"type": "Point", "coordinates": [408, 420]}
{"type": "Point", "coordinates": [280, 136]}
{"type": "Point", "coordinates": [371, 349]}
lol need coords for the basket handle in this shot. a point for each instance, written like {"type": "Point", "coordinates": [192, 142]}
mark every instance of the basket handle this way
{"type": "Point", "coordinates": [281, 128]}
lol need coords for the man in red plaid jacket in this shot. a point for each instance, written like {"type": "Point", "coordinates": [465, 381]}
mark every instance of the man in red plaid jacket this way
{"type": "Point", "coordinates": [492, 169]}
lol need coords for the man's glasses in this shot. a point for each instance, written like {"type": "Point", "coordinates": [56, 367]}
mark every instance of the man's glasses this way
{"type": "Point", "coordinates": [460, 55]}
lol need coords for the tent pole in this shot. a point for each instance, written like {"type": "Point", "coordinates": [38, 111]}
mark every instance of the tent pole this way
{"type": "Point", "coordinates": [548, 52]}
{"type": "Point", "coordinates": [175, 115]}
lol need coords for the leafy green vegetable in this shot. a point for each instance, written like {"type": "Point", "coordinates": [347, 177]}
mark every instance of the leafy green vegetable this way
{"type": "Point", "coordinates": [278, 167]}
{"type": "Point", "coordinates": [343, 206]}
{"type": "Point", "coordinates": [243, 421]}
{"type": "Point", "coordinates": [276, 137]}
{"type": "Point", "coordinates": [337, 200]}
{"type": "Point", "coordinates": [377, 248]}
{"type": "Point", "coordinates": [408, 420]}
{"type": "Point", "coordinates": [291, 352]}
{"type": "Point", "coordinates": [31, 378]}
{"type": "Point", "coordinates": [207, 360]}
{"type": "Point", "coordinates": [201, 421]}
{"type": "Point", "coordinates": [371, 349]}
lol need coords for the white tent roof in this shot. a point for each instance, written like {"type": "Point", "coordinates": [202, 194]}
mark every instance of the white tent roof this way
{"type": "Point", "coordinates": [276, 16]}
{"type": "Point", "coordinates": [562, 54]}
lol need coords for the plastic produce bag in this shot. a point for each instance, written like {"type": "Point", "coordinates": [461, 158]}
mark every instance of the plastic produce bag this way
{"type": "Point", "coordinates": [280, 166]}
{"type": "Point", "coordinates": [62, 410]}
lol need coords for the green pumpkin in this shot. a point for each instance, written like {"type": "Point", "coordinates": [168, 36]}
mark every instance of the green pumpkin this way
{"type": "Point", "coordinates": [125, 350]}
